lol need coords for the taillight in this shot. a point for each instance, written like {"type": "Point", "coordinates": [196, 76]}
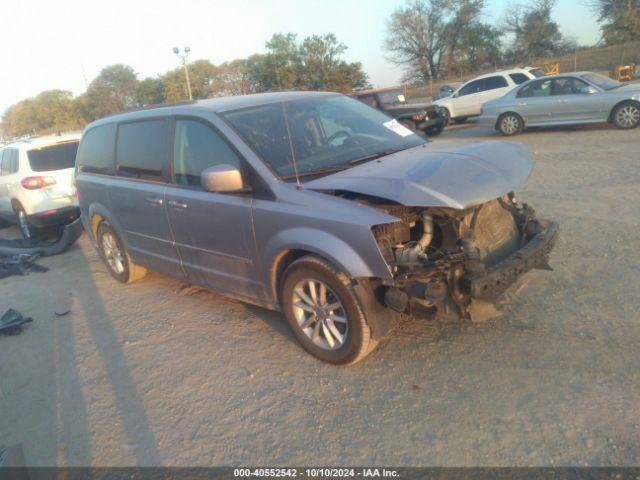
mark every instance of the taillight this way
{"type": "Point", "coordinates": [35, 183]}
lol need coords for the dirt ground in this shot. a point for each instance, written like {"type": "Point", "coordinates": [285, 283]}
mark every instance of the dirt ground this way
{"type": "Point", "coordinates": [152, 374]}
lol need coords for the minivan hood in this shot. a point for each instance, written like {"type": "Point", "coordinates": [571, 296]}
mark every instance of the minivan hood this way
{"type": "Point", "coordinates": [456, 176]}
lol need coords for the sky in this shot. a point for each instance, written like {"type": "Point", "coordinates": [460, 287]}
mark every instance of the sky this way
{"type": "Point", "coordinates": [63, 44]}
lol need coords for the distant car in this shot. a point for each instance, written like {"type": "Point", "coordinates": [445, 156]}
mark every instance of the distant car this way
{"type": "Point", "coordinates": [36, 183]}
{"type": "Point", "coordinates": [424, 117]}
{"type": "Point", "coordinates": [467, 100]}
{"type": "Point", "coordinates": [448, 89]}
{"type": "Point", "coordinates": [577, 98]}
{"type": "Point", "coordinates": [535, 71]}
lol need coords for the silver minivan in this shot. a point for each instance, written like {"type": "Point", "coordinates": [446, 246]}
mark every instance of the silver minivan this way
{"type": "Point", "coordinates": [313, 204]}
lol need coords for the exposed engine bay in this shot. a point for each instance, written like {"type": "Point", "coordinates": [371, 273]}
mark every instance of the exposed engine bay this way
{"type": "Point", "coordinates": [444, 260]}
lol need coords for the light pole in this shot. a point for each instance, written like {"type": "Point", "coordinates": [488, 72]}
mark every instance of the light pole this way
{"type": "Point", "coordinates": [183, 58]}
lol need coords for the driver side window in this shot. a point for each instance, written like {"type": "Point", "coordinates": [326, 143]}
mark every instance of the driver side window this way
{"type": "Point", "coordinates": [197, 147]}
{"type": "Point", "coordinates": [469, 88]}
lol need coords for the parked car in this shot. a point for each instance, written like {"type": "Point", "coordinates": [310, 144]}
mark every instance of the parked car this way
{"type": "Point", "coordinates": [467, 100]}
{"type": "Point", "coordinates": [36, 183]}
{"type": "Point", "coordinates": [577, 98]}
{"type": "Point", "coordinates": [313, 204]}
{"type": "Point", "coordinates": [424, 117]}
{"type": "Point", "coordinates": [448, 89]}
{"type": "Point", "coordinates": [535, 71]}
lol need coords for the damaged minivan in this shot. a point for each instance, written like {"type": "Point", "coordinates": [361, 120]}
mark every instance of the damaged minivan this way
{"type": "Point", "coordinates": [313, 204]}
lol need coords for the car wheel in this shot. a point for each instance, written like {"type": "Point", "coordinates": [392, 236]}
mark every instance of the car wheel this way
{"type": "Point", "coordinates": [447, 116]}
{"type": "Point", "coordinates": [626, 115]}
{"type": "Point", "coordinates": [435, 130]}
{"type": "Point", "coordinates": [460, 119]}
{"type": "Point", "coordinates": [28, 231]}
{"type": "Point", "coordinates": [324, 312]}
{"type": "Point", "coordinates": [115, 256]}
{"type": "Point", "coordinates": [510, 124]}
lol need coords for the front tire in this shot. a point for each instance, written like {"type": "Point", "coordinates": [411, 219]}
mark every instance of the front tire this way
{"type": "Point", "coordinates": [115, 256]}
{"type": "Point", "coordinates": [28, 231]}
{"type": "Point", "coordinates": [324, 312]}
{"type": "Point", "coordinates": [626, 115]}
{"type": "Point", "coordinates": [509, 124]}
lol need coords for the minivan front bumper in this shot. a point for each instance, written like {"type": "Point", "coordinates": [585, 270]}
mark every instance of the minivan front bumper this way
{"type": "Point", "coordinates": [498, 278]}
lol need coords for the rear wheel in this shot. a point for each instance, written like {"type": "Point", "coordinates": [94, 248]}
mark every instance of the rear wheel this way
{"type": "Point", "coordinates": [435, 130]}
{"type": "Point", "coordinates": [324, 312]}
{"type": "Point", "coordinates": [115, 256]}
{"type": "Point", "coordinates": [626, 115]}
{"type": "Point", "coordinates": [510, 124]}
{"type": "Point", "coordinates": [28, 231]}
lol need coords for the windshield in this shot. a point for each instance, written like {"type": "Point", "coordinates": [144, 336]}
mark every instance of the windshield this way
{"type": "Point", "coordinates": [536, 72]}
{"type": "Point", "coordinates": [54, 157]}
{"type": "Point", "coordinates": [325, 134]}
{"type": "Point", "coordinates": [391, 97]}
{"type": "Point", "coordinates": [601, 81]}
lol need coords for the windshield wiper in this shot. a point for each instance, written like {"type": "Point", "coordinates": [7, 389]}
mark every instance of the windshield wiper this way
{"type": "Point", "coordinates": [315, 172]}
{"type": "Point", "coordinates": [373, 156]}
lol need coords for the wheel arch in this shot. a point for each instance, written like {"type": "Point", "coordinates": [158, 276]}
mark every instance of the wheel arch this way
{"type": "Point", "coordinates": [621, 102]}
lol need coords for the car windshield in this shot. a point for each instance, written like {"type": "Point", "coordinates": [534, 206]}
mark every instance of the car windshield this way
{"type": "Point", "coordinates": [54, 157]}
{"type": "Point", "coordinates": [322, 135]}
{"type": "Point", "coordinates": [391, 97]}
{"type": "Point", "coordinates": [605, 83]}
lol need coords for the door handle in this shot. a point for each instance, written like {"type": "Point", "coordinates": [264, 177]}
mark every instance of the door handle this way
{"type": "Point", "coordinates": [156, 202]}
{"type": "Point", "coordinates": [177, 204]}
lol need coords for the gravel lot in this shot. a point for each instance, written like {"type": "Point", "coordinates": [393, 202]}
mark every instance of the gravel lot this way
{"type": "Point", "coordinates": [155, 374]}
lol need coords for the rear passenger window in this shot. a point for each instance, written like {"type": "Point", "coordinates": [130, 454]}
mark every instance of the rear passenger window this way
{"type": "Point", "coordinates": [142, 149]}
{"type": "Point", "coordinates": [96, 151]}
{"type": "Point", "coordinates": [491, 83]}
{"type": "Point", "coordinates": [518, 78]}
{"type": "Point", "coordinates": [197, 147]}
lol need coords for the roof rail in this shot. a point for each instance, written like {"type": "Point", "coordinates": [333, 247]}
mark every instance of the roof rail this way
{"type": "Point", "coordinates": [151, 107]}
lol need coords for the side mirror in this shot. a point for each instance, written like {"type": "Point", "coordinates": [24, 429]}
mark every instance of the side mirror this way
{"type": "Point", "coordinates": [221, 178]}
{"type": "Point", "coordinates": [589, 90]}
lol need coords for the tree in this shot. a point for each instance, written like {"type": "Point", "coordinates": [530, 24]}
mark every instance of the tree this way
{"type": "Point", "coordinates": [112, 91]}
{"type": "Point", "coordinates": [429, 37]}
{"type": "Point", "coordinates": [201, 75]}
{"type": "Point", "coordinates": [150, 91]}
{"type": "Point", "coordinates": [536, 35]}
{"type": "Point", "coordinates": [619, 19]}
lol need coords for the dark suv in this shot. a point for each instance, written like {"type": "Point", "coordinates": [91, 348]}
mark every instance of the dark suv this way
{"type": "Point", "coordinates": [424, 117]}
{"type": "Point", "coordinates": [313, 204]}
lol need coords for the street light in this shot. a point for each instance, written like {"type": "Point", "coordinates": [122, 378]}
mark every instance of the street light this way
{"type": "Point", "coordinates": [183, 58]}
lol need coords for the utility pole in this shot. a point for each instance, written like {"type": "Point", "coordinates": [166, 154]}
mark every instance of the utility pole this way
{"type": "Point", "coordinates": [183, 58]}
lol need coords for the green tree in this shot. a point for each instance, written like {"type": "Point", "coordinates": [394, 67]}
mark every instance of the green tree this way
{"type": "Point", "coordinates": [112, 91]}
{"type": "Point", "coordinates": [619, 19]}
{"type": "Point", "coordinates": [150, 91]}
{"type": "Point", "coordinates": [201, 76]}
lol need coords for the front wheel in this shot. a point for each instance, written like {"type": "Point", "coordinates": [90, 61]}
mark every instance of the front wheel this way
{"type": "Point", "coordinates": [510, 124]}
{"type": "Point", "coordinates": [324, 312]}
{"type": "Point", "coordinates": [626, 115]}
{"type": "Point", "coordinates": [28, 231]}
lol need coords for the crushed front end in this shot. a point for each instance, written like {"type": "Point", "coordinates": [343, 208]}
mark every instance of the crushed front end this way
{"type": "Point", "coordinates": [445, 261]}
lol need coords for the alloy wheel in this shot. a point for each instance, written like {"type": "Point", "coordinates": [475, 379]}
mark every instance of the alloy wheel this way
{"type": "Point", "coordinates": [509, 125]}
{"type": "Point", "coordinates": [628, 116]}
{"type": "Point", "coordinates": [320, 314]}
{"type": "Point", "coordinates": [112, 253]}
{"type": "Point", "coordinates": [24, 225]}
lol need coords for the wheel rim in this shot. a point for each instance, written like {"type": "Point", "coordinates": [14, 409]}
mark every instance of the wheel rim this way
{"type": "Point", "coordinates": [320, 314]}
{"type": "Point", "coordinates": [112, 253]}
{"type": "Point", "coordinates": [510, 124]}
{"type": "Point", "coordinates": [24, 225]}
{"type": "Point", "coordinates": [628, 116]}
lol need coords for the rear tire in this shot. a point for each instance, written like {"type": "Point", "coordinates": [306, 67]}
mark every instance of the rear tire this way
{"type": "Point", "coordinates": [28, 231]}
{"type": "Point", "coordinates": [626, 115]}
{"type": "Point", "coordinates": [340, 342]}
{"type": "Point", "coordinates": [115, 257]}
{"type": "Point", "coordinates": [435, 130]}
{"type": "Point", "coordinates": [510, 124]}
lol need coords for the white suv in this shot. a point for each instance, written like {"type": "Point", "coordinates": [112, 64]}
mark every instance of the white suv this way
{"type": "Point", "coordinates": [467, 100]}
{"type": "Point", "coordinates": [36, 183]}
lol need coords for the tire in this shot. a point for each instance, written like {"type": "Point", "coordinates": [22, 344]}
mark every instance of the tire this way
{"type": "Point", "coordinates": [115, 257]}
{"type": "Point", "coordinates": [460, 119]}
{"type": "Point", "coordinates": [447, 116]}
{"type": "Point", "coordinates": [626, 115]}
{"type": "Point", "coordinates": [435, 130]}
{"type": "Point", "coordinates": [28, 231]}
{"type": "Point", "coordinates": [353, 340]}
{"type": "Point", "coordinates": [510, 124]}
